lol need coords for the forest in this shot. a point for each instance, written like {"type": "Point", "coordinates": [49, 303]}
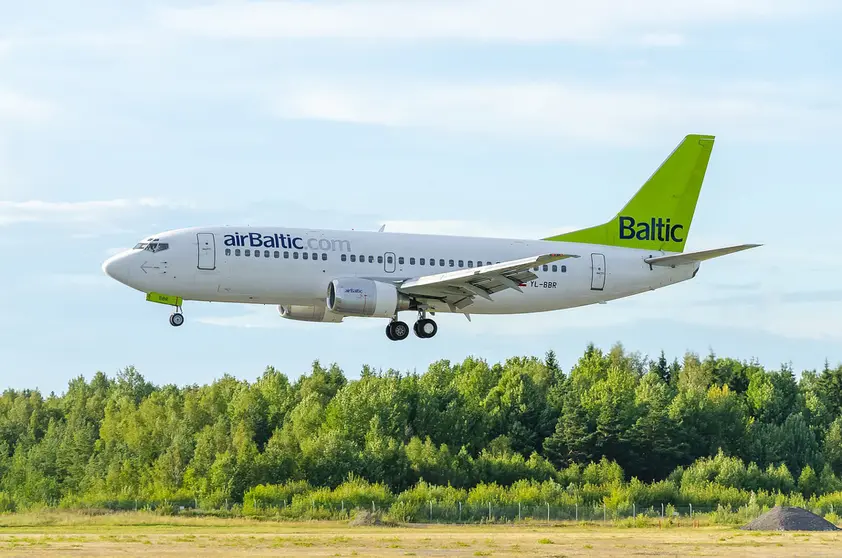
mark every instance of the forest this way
{"type": "Point", "coordinates": [617, 429]}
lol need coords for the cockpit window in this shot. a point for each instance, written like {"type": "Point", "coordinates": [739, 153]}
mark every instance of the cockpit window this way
{"type": "Point", "coordinates": [152, 246]}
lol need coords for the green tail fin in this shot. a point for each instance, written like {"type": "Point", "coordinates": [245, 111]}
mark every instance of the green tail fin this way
{"type": "Point", "coordinates": [659, 215]}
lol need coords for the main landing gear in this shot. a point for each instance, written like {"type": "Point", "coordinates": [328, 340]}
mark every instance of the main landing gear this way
{"type": "Point", "coordinates": [424, 328]}
{"type": "Point", "coordinates": [176, 318]}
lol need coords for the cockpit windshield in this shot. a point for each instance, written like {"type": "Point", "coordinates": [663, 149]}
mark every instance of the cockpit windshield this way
{"type": "Point", "coordinates": [153, 246]}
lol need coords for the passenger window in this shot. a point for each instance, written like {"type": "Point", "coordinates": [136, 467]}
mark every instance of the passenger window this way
{"type": "Point", "coordinates": [411, 261]}
{"type": "Point", "coordinates": [371, 259]}
{"type": "Point", "coordinates": [390, 259]}
{"type": "Point", "coordinates": [315, 256]}
{"type": "Point", "coordinates": [227, 251]}
{"type": "Point", "coordinates": [564, 269]}
{"type": "Point", "coordinates": [277, 254]}
{"type": "Point", "coordinates": [266, 253]}
{"type": "Point", "coordinates": [305, 255]}
{"type": "Point", "coordinates": [286, 255]}
{"type": "Point", "coordinates": [470, 263]}
{"type": "Point", "coordinates": [441, 263]}
{"type": "Point", "coordinates": [487, 263]}
{"type": "Point", "coordinates": [247, 252]}
{"type": "Point", "coordinates": [421, 262]}
{"type": "Point", "coordinates": [353, 258]}
{"type": "Point", "coordinates": [555, 268]}
{"type": "Point", "coordinates": [400, 260]}
{"type": "Point", "coordinates": [479, 263]}
{"type": "Point", "coordinates": [362, 258]}
{"type": "Point", "coordinates": [257, 253]}
{"type": "Point", "coordinates": [546, 267]}
{"type": "Point", "coordinates": [324, 256]}
{"type": "Point", "coordinates": [432, 261]}
{"type": "Point", "coordinates": [379, 259]}
{"type": "Point", "coordinates": [344, 258]}
{"type": "Point", "coordinates": [295, 255]}
{"type": "Point", "coordinates": [236, 251]}
{"type": "Point", "coordinates": [461, 263]}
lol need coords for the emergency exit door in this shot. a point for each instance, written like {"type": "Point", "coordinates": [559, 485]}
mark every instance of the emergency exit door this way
{"type": "Point", "coordinates": [207, 251]}
{"type": "Point", "coordinates": [598, 272]}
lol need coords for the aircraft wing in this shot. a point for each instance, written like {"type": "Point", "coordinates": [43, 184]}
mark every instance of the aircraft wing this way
{"type": "Point", "coordinates": [459, 288]}
{"type": "Point", "coordinates": [693, 257]}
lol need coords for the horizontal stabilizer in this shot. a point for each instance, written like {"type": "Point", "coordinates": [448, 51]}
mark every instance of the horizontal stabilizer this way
{"type": "Point", "coordinates": [693, 257]}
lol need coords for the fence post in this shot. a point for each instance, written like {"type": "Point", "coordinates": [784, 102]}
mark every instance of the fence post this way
{"type": "Point", "coordinates": [548, 512]}
{"type": "Point", "coordinates": [634, 511]}
{"type": "Point", "coordinates": [431, 510]}
{"type": "Point", "coordinates": [489, 510]}
{"type": "Point", "coordinates": [604, 513]}
{"type": "Point", "coordinates": [373, 509]}
{"type": "Point", "coordinates": [662, 510]}
{"type": "Point", "coordinates": [343, 505]}
{"type": "Point", "coordinates": [691, 510]}
{"type": "Point", "coordinates": [460, 510]}
{"type": "Point", "coordinates": [577, 511]}
{"type": "Point", "coordinates": [518, 511]}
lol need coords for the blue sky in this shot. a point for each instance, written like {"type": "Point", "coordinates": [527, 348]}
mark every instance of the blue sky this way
{"type": "Point", "coordinates": [485, 117]}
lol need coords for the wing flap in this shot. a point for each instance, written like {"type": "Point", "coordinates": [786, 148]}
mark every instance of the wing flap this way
{"type": "Point", "coordinates": [459, 288]}
{"type": "Point", "coordinates": [694, 257]}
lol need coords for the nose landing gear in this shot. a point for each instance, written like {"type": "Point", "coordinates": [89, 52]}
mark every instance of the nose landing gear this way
{"type": "Point", "coordinates": [176, 318]}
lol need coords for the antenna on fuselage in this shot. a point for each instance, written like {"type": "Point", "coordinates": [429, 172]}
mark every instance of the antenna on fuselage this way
{"type": "Point", "coordinates": [382, 227]}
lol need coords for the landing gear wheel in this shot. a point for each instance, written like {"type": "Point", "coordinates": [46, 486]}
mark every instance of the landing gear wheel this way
{"type": "Point", "coordinates": [176, 319]}
{"type": "Point", "coordinates": [397, 331]}
{"type": "Point", "coordinates": [425, 328]}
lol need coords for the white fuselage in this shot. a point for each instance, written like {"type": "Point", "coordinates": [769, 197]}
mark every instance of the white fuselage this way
{"type": "Point", "coordinates": [294, 266]}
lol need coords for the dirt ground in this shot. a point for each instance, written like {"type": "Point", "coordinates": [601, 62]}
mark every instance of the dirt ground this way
{"type": "Point", "coordinates": [214, 537]}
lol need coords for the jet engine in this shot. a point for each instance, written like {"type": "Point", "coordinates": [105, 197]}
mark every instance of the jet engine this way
{"type": "Point", "coordinates": [363, 297]}
{"type": "Point", "coordinates": [309, 314]}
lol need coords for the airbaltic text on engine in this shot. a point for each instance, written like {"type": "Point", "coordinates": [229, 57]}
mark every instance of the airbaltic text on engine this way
{"type": "Point", "coordinates": [656, 229]}
{"type": "Point", "coordinates": [258, 240]}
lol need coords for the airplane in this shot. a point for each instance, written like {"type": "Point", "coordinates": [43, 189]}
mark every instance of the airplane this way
{"type": "Point", "coordinates": [319, 275]}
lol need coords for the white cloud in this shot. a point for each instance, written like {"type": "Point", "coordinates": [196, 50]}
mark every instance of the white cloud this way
{"type": "Point", "coordinates": [680, 304]}
{"type": "Point", "coordinates": [481, 20]}
{"type": "Point", "coordinates": [77, 280]}
{"type": "Point", "coordinates": [37, 211]}
{"type": "Point", "coordinates": [474, 228]}
{"type": "Point", "coordinates": [606, 114]}
{"type": "Point", "coordinates": [663, 39]}
{"type": "Point", "coordinates": [17, 107]}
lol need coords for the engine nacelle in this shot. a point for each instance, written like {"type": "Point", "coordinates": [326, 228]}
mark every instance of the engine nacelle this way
{"type": "Point", "coordinates": [353, 296]}
{"type": "Point", "coordinates": [309, 314]}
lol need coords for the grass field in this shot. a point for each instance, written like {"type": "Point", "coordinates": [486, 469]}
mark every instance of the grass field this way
{"type": "Point", "coordinates": [139, 534]}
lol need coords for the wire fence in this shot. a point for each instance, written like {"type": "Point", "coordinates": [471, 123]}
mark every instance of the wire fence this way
{"type": "Point", "coordinates": [453, 512]}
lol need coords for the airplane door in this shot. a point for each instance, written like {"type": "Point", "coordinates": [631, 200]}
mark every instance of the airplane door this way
{"type": "Point", "coordinates": [598, 273]}
{"type": "Point", "coordinates": [389, 262]}
{"type": "Point", "coordinates": [207, 251]}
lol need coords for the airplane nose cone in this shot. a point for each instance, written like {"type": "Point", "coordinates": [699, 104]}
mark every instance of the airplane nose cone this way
{"type": "Point", "coordinates": [117, 268]}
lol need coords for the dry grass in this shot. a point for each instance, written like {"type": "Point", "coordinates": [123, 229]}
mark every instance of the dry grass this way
{"type": "Point", "coordinates": [149, 535]}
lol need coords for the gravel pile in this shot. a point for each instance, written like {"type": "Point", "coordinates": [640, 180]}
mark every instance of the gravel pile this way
{"type": "Point", "coordinates": [790, 519]}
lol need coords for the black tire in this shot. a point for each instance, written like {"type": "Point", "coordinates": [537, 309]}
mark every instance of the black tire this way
{"type": "Point", "coordinates": [176, 319]}
{"type": "Point", "coordinates": [389, 332]}
{"type": "Point", "coordinates": [400, 330]}
{"type": "Point", "coordinates": [426, 328]}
